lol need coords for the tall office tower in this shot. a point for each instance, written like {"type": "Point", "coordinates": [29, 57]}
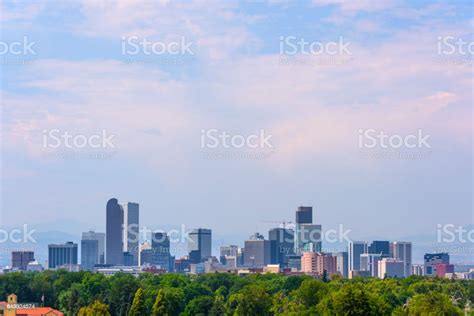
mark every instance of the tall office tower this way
{"type": "Point", "coordinates": [304, 237]}
{"type": "Point", "coordinates": [342, 264]}
{"type": "Point", "coordinates": [100, 237]}
{"type": "Point", "coordinates": [309, 238]}
{"type": "Point", "coordinates": [60, 254]}
{"type": "Point", "coordinates": [380, 247]}
{"type": "Point", "coordinates": [391, 268]}
{"type": "Point", "coordinates": [317, 263]}
{"type": "Point", "coordinates": [20, 259]}
{"type": "Point", "coordinates": [240, 256]}
{"type": "Point", "coordinates": [257, 251]}
{"type": "Point", "coordinates": [370, 262]}
{"type": "Point", "coordinates": [304, 215]}
{"type": "Point", "coordinates": [114, 233]}
{"type": "Point", "coordinates": [159, 254]}
{"type": "Point", "coordinates": [89, 254]}
{"type": "Point", "coordinates": [431, 262]}
{"type": "Point", "coordinates": [401, 250]}
{"type": "Point", "coordinates": [282, 245]}
{"type": "Point", "coordinates": [131, 230]}
{"type": "Point", "coordinates": [355, 249]}
{"type": "Point", "coordinates": [200, 244]}
{"type": "Point", "coordinates": [228, 251]}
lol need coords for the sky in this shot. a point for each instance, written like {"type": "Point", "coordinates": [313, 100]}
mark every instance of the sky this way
{"type": "Point", "coordinates": [238, 75]}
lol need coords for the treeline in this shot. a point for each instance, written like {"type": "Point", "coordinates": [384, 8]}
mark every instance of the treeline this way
{"type": "Point", "coordinates": [84, 293]}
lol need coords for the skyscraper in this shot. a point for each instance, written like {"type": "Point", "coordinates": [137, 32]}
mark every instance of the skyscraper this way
{"type": "Point", "coordinates": [392, 268]}
{"type": "Point", "coordinates": [200, 244]}
{"type": "Point", "coordinates": [304, 215]}
{"type": "Point", "coordinates": [89, 254]}
{"type": "Point", "coordinates": [370, 262]}
{"type": "Point", "coordinates": [100, 237]}
{"type": "Point", "coordinates": [228, 251]}
{"type": "Point", "coordinates": [355, 249]}
{"type": "Point", "coordinates": [114, 233]}
{"type": "Point", "coordinates": [307, 234]}
{"type": "Point", "coordinates": [60, 254]}
{"type": "Point", "coordinates": [131, 229]}
{"type": "Point", "coordinates": [401, 250]}
{"type": "Point", "coordinates": [309, 237]}
{"type": "Point", "coordinates": [20, 259]}
{"type": "Point", "coordinates": [380, 247]}
{"type": "Point", "coordinates": [282, 245]}
{"type": "Point", "coordinates": [342, 263]}
{"type": "Point", "coordinates": [159, 254]}
{"type": "Point", "coordinates": [432, 260]}
{"type": "Point", "coordinates": [257, 251]}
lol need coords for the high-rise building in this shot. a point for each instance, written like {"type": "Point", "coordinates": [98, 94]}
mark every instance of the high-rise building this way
{"type": "Point", "coordinates": [417, 269]}
{"type": "Point", "coordinates": [390, 267]}
{"type": "Point", "coordinates": [380, 247]}
{"type": "Point", "coordinates": [355, 249]}
{"type": "Point", "coordinates": [100, 237]}
{"type": "Point", "coordinates": [131, 230]}
{"type": "Point", "coordinates": [402, 251]}
{"type": "Point", "coordinates": [304, 215]}
{"type": "Point", "coordinates": [228, 251]}
{"type": "Point", "coordinates": [443, 268]}
{"type": "Point", "coordinates": [370, 262]}
{"type": "Point", "coordinates": [200, 243]}
{"type": "Point", "coordinates": [159, 253]}
{"type": "Point", "coordinates": [89, 254]}
{"type": "Point", "coordinates": [432, 260]}
{"type": "Point", "coordinates": [62, 254]}
{"type": "Point", "coordinates": [317, 263]}
{"type": "Point", "coordinates": [309, 238]}
{"type": "Point", "coordinates": [282, 245]}
{"type": "Point", "coordinates": [342, 263]}
{"type": "Point", "coordinates": [20, 259]}
{"type": "Point", "coordinates": [257, 251]}
{"type": "Point", "coordinates": [114, 233]}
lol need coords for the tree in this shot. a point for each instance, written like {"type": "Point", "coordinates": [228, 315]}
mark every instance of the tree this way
{"type": "Point", "coordinates": [122, 289]}
{"type": "Point", "coordinates": [71, 300]}
{"type": "Point", "coordinates": [218, 307]}
{"type": "Point", "coordinates": [251, 300]}
{"type": "Point", "coordinates": [199, 306]}
{"type": "Point", "coordinates": [432, 304]}
{"type": "Point", "coordinates": [353, 299]}
{"type": "Point", "coordinates": [138, 307]}
{"type": "Point", "coordinates": [169, 301]}
{"type": "Point", "coordinates": [194, 290]}
{"type": "Point", "coordinates": [310, 292]}
{"type": "Point", "coordinates": [97, 309]}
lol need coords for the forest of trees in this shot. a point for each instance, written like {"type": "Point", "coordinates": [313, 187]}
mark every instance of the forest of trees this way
{"type": "Point", "coordinates": [85, 293]}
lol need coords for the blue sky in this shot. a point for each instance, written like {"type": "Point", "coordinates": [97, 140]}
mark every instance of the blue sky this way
{"type": "Point", "coordinates": [394, 81]}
